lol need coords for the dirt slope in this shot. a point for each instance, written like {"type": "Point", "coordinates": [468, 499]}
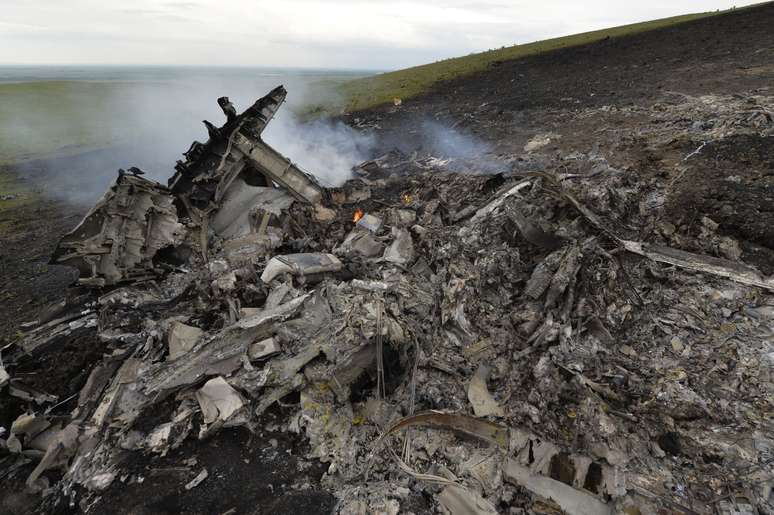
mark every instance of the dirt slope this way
{"type": "Point", "coordinates": [728, 53]}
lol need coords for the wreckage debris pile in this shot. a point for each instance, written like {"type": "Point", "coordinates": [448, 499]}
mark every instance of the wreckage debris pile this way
{"type": "Point", "coordinates": [487, 342]}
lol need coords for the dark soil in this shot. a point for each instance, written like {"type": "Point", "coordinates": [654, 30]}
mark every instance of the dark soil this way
{"type": "Point", "coordinates": [722, 54]}
{"type": "Point", "coordinates": [62, 372]}
{"type": "Point", "coordinates": [734, 183]}
{"type": "Point", "coordinates": [29, 234]}
{"type": "Point", "coordinates": [504, 107]}
{"type": "Point", "coordinates": [246, 473]}
{"type": "Point", "coordinates": [262, 473]}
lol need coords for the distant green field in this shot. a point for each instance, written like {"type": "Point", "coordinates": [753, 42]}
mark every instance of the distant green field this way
{"type": "Point", "coordinates": [47, 118]}
{"type": "Point", "coordinates": [43, 118]}
{"type": "Point", "coordinates": [380, 89]}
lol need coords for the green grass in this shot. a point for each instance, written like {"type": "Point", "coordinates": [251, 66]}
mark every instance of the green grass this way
{"type": "Point", "coordinates": [46, 118]}
{"type": "Point", "coordinates": [404, 84]}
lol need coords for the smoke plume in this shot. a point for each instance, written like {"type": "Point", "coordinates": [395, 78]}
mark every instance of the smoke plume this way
{"type": "Point", "coordinates": [148, 122]}
{"type": "Point", "coordinates": [328, 150]}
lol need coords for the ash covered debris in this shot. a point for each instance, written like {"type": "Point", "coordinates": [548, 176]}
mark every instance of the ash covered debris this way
{"type": "Point", "coordinates": [225, 185]}
{"type": "Point", "coordinates": [519, 342]}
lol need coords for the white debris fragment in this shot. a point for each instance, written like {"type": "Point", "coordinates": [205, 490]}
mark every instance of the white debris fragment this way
{"type": "Point", "coordinates": [197, 480]}
{"type": "Point", "coordinates": [370, 222]}
{"type": "Point", "coordinates": [360, 242]}
{"type": "Point", "coordinates": [218, 400]}
{"type": "Point", "coordinates": [539, 141]}
{"type": "Point", "coordinates": [158, 439]}
{"type": "Point", "coordinates": [263, 349]}
{"type": "Point", "coordinates": [482, 401]}
{"type": "Point", "coordinates": [401, 251]}
{"type": "Point", "coordinates": [101, 481]}
{"type": "Point", "coordinates": [182, 338]}
{"type": "Point", "coordinates": [4, 376]}
{"type": "Point", "coordinates": [323, 214]}
{"type": "Point", "coordinates": [26, 426]}
{"type": "Point", "coordinates": [571, 500]}
{"type": "Point", "coordinates": [300, 264]}
{"type": "Point", "coordinates": [456, 500]}
{"type": "Point", "coordinates": [237, 216]}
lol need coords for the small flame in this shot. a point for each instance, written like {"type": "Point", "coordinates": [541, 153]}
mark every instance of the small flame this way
{"type": "Point", "coordinates": [358, 215]}
{"type": "Point", "coordinates": [407, 198]}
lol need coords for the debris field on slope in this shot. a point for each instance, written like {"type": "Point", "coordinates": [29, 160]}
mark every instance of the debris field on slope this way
{"type": "Point", "coordinates": [495, 343]}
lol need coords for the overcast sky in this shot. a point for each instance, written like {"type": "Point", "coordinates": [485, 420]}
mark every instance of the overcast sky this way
{"type": "Point", "coordinates": [364, 34]}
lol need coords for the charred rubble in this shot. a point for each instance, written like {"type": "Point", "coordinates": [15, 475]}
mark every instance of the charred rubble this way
{"type": "Point", "coordinates": [495, 343]}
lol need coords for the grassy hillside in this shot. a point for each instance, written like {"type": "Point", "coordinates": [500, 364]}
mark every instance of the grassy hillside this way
{"type": "Point", "coordinates": [380, 89]}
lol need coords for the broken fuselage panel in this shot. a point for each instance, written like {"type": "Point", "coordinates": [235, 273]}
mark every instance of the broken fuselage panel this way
{"type": "Point", "coordinates": [233, 185]}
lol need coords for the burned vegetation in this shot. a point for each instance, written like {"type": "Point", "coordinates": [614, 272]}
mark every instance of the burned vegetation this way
{"type": "Point", "coordinates": [530, 340]}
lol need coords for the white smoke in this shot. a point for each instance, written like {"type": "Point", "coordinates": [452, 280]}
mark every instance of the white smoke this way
{"type": "Point", "coordinates": [446, 141]}
{"type": "Point", "coordinates": [326, 149]}
{"type": "Point", "coordinates": [151, 121]}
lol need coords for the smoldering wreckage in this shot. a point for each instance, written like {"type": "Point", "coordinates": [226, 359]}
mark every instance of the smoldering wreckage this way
{"type": "Point", "coordinates": [492, 343]}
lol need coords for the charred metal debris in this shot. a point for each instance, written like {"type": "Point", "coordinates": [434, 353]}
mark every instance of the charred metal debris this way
{"type": "Point", "coordinates": [490, 343]}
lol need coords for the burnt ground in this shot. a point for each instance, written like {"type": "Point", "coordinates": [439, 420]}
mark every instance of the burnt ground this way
{"type": "Point", "coordinates": [249, 473]}
{"type": "Point", "coordinates": [29, 234]}
{"type": "Point", "coordinates": [589, 95]}
{"type": "Point", "coordinates": [260, 473]}
{"type": "Point", "coordinates": [592, 94]}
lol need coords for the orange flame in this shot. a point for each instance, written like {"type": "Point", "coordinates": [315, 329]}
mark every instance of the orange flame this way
{"type": "Point", "coordinates": [358, 215]}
